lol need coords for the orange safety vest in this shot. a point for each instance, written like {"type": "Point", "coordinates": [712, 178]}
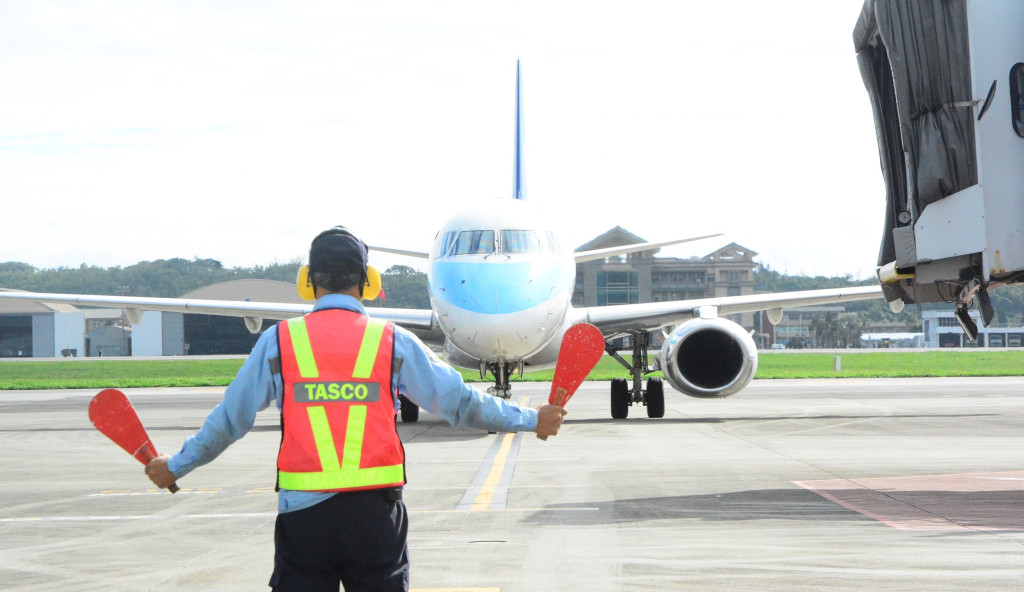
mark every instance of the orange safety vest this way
{"type": "Point", "coordinates": [338, 414]}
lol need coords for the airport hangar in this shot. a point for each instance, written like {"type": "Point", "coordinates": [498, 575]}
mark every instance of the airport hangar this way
{"type": "Point", "coordinates": [58, 330]}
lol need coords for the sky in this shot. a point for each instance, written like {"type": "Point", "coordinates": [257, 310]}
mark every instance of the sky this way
{"type": "Point", "coordinates": [237, 131]}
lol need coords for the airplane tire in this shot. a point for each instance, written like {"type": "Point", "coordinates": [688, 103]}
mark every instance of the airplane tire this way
{"type": "Point", "coordinates": [655, 398]}
{"type": "Point", "coordinates": [410, 412]}
{"type": "Point", "coordinates": [620, 398]}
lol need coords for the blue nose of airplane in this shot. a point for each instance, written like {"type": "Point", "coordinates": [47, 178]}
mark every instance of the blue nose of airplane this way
{"type": "Point", "coordinates": [489, 288]}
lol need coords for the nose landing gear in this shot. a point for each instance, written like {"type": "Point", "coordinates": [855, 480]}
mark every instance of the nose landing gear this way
{"type": "Point", "coordinates": [502, 370]}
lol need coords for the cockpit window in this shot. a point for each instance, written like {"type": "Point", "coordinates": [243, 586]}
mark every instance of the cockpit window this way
{"type": "Point", "coordinates": [553, 244]}
{"type": "Point", "coordinates": [474, 242]}
{"type": "Point", "coordinates": [519, 241]}
{"type": "Point", "coordinates": [445, 244]}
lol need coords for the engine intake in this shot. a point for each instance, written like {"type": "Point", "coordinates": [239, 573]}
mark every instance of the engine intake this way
{"type": "Point", "coordinates": [709, 358]}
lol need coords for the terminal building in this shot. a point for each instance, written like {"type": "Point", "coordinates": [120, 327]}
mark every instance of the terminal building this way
{"type": "Point", "coordinates": [941, 329]}
{"type": "Point", "coordinates": [726, 271]}
{"type": "Point", "coordinates": [643, 277]}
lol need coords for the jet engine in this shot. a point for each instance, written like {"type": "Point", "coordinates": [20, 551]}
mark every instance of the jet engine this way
{"type": "Point", "coordinates": [709, 357]}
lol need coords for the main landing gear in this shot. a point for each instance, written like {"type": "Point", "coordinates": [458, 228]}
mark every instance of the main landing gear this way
{"type": "Point", "coordinates": [623, 396]}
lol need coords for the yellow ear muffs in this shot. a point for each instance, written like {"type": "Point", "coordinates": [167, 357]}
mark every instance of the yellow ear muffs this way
{"type": "Point", "coordinates": [372, 287]}
{"type": "Point", "coordinates": [303, 285]}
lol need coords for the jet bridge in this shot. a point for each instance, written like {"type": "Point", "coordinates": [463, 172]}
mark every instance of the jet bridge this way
{"type": "Point", "coordinates": [946, 84]}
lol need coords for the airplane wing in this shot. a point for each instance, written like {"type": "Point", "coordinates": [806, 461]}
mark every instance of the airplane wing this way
{"type": "Point", "coordinates": [616, 320]}
{"type": "Point", "coordinates": [406, 317]}
{"type": "Point", "coordinates": [414, 254]}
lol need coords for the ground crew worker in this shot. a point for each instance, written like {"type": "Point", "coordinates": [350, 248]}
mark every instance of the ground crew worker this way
{"type": "Point", "coordinates": [335, 374]}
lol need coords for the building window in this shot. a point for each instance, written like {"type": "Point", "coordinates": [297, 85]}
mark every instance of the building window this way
{"type": "Point", "coordinates": [676, 279]}
{"type": "Point", "coordinates": [949, 340]}
{"type": "Point", "coordinates": [618, 287]}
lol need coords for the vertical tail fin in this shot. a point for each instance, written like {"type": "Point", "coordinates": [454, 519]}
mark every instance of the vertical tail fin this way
{"type": "Point", "coordinates": [518, 171]}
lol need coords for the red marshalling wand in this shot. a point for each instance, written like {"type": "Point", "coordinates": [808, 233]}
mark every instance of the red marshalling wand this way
{"type": "Point", "coordinates": [113, 415]}
{"type": "Point", "coordinates": [582, 347]}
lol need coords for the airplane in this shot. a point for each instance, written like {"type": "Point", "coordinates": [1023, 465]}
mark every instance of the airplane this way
{"type": "Point", "coordinates": [500, 285]}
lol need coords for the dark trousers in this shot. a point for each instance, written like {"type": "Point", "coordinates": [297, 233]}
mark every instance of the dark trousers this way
{"type": "Point", "coordinates": [357, 539]}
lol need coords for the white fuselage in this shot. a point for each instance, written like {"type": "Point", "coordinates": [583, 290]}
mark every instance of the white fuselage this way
{"type": "Point", "coordinates": [500, 283]}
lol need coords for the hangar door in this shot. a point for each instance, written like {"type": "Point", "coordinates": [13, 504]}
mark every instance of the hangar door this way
{"type": "Point", "coordinates": [207, 335]}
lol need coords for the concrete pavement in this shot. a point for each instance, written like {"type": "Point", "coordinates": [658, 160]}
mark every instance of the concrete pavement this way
{"type": "Point", "coordinates": [889, 484]}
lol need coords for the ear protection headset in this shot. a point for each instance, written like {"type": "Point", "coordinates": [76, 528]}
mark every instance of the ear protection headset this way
{"type": "Point", "coordinates": [371, 283]}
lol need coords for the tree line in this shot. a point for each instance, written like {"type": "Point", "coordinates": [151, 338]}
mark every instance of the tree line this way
{"type": "Point", "coordinates": [404, 287]}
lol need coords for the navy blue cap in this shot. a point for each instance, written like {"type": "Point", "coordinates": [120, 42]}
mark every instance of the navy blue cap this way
{"type": "Point", "coordinates": [337, 249]}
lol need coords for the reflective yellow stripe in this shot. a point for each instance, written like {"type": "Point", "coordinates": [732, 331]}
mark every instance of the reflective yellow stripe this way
{"type": "Point", "coordinates": [389, 475]}
{"type": "Point", "coordinates": [348, 475]}
{"type": "Point", "coordinates": [324, 440]}
{"type": "Point", "coordinates": [354, 437]}
{"type": "Point", "coordinates": [368, 349]}
{"type": "Point", "coordinates": [302, 348]}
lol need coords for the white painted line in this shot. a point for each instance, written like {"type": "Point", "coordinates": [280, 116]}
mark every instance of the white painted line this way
{"type": "Point", "coordinates": [237, 515]}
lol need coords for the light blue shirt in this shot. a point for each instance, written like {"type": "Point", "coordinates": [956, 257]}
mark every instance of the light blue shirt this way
{"type": "Point", "coordinates": [422, 377]}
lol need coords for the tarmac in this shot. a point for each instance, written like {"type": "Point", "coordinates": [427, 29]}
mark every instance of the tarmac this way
{"type": "Point", "coordinates": [844, 484]}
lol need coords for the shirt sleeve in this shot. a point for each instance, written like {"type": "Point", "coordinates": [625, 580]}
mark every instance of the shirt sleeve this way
{"type": "Point", "coordinates": [253, 389]}
{"type": "Point", "coordinates": [439, 389]}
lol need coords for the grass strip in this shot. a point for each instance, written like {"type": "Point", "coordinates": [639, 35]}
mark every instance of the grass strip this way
{"type": "Point", "coordinates": [73, 374]}
{"type": "Point", "coordinates": [892, 364]}
{"type": "Point", "coordinates": [184, 372]}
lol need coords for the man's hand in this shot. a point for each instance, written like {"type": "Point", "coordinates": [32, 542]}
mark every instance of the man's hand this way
{"type": "Point", "coordinates": [549, 419]}
{"type": "Point", "coordinates": [158, 472]}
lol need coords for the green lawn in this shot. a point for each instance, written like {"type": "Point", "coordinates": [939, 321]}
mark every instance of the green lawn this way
{"type": "Point", "coordinates": [97, 374]}
{"type": "Point", "coordinates": [892, 364]}
{"type": "Point", "coordinates": [62, 374]}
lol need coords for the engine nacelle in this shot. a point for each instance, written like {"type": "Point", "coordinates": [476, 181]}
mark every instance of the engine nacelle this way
{"type": "Point", "coordinates": [709, 358]}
